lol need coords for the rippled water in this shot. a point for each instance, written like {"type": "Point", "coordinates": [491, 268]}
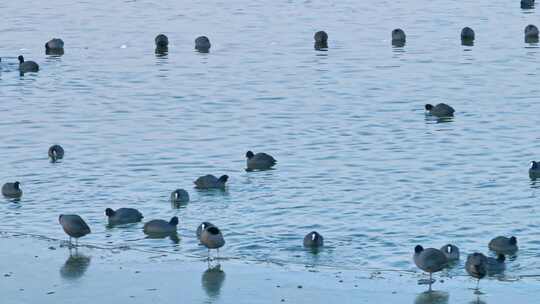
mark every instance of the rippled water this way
{"type": "Point", "coordinates": [357, 158]}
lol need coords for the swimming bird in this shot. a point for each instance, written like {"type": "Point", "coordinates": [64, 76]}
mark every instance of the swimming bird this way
{"type": "Point", "coordinates": [179, 196]}
{"type": "Point", "coordinates": [429, 260]}
{"type": "Point", "coordinates": [201, 228]}
{"type": "Point", "coordinates": [527, 4]}
{"type": "Point", "coordinates": [74, 226]}
{"type": "Point", "coordinates": [531, 33]}
{"type": "Point", "coordinates": [451, 252]}
{"type": "Point", "coordinates": [476, 266]}
{"type": "Point", "coordinates": [259, 161]}
{"type": "Point", "coordinates": [56, 152]}
{"type": "Point", "coordinates": [161, 227]}
{"type": "Point", "coordinates": [211, 182]}
{"type": "Point", "coordinates": [321, 40]}
{"type": "Point", "coordinates": [202, 44]}
{"type": "Point", "coordinates": [162, 41]}
{"type": "Point", "coordinates": [534, 169]}
{"type": "Point", "coordinates": [496, 265]}
{"type": "Point", "coordinates": [123, 216]}
{"type": "Point", "coordinates": [440, 110]}
{"type": "Point", "coordinates": [212, 238]}
{"type": "Point", "coordinates": [313, 240]}
{"type": "Point", "coordinates": [12, 190]}
{"type": "Point", "coordinates": [27, 66]}
{"type": "Point", "coordinates": [398, 37]}
{"type": "Point", "coordinates": [504, 245]}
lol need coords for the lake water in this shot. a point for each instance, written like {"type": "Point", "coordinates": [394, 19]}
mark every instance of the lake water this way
{"type": "Point", "coordinates": [358, 160]}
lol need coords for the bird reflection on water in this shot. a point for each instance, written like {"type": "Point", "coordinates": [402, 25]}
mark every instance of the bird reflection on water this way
{"type": "Point", "coordinates": [212, 281]}
{"type": "Point", "coordinates": [75, 266]}
{"type": "Point", "coordinates": [432, 297]}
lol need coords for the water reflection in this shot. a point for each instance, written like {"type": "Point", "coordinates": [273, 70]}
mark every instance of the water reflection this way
{"type": "Point", "coordinates": [178, 205]}
{"type": "Point", "coordinates": [172, 236]}
{"type": "Point", "coordinates": [527, 5]}
{"type": "Point", "coordinates": [477, 301]}
{"type": "Point", "coordinates": [162, 51]}
{"type": "Point", "coordinates": [203, 50]}
{"type": "Point", "coordinates": [54, 52]}
{"type": "Point", "coordinates": [212, 281]}
{"type": "Point", "coordinates": [212, 192]}
{"type": "Point", "coordinates": [398, 43]}
{"type": "Point", "coordinates": [434, 119]}
{"type": "Point", "coordinates": [467, 42]}
{"type": "Point", "coordinates": [321, 46]}
{"type": "Point", "coordinates": [432, 297]}
{"type": "Point", "coordinates": [75, 266]}
{"type": "Point", "coordinates": [531, 40]}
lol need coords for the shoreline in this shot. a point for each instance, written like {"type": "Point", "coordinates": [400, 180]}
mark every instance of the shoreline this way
{"type": "Point", "coordinates": [39, 269]}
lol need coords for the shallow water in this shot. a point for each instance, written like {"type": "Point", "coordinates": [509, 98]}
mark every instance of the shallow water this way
{"type": "Point", "coordinates": [358, 160]}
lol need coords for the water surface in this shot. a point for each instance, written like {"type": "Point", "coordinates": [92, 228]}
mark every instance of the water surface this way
{"type": "Point", "coordinates": [358, 160]}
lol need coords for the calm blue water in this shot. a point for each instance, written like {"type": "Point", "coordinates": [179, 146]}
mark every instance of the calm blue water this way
{"type": "Point", "coordinates": [358, 160]}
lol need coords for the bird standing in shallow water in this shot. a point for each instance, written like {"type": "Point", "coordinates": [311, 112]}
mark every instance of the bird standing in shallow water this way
{"type": "Point", "coordinates": [74, 226]}
{"type": "Point", "coordinates": [212, 238]}
{"type": "Point", "coordinates": [429, 260]}
{"type": "Point", "coordinates": [451, 252]}
{"type": "Point", "coordinates": [476, 267]}
{"type": "Point", "coordinates": [201, 228]}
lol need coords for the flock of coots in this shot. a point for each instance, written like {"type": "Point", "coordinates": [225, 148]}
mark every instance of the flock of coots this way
{"type": "Point", "coordinates": [208, 234]}
{"type": "Point", "coordinates": [55, 46]}
{"type": "Point", "coordinates": [430, 260]}
{"type": "Point", "coordinates": [477, 265]}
